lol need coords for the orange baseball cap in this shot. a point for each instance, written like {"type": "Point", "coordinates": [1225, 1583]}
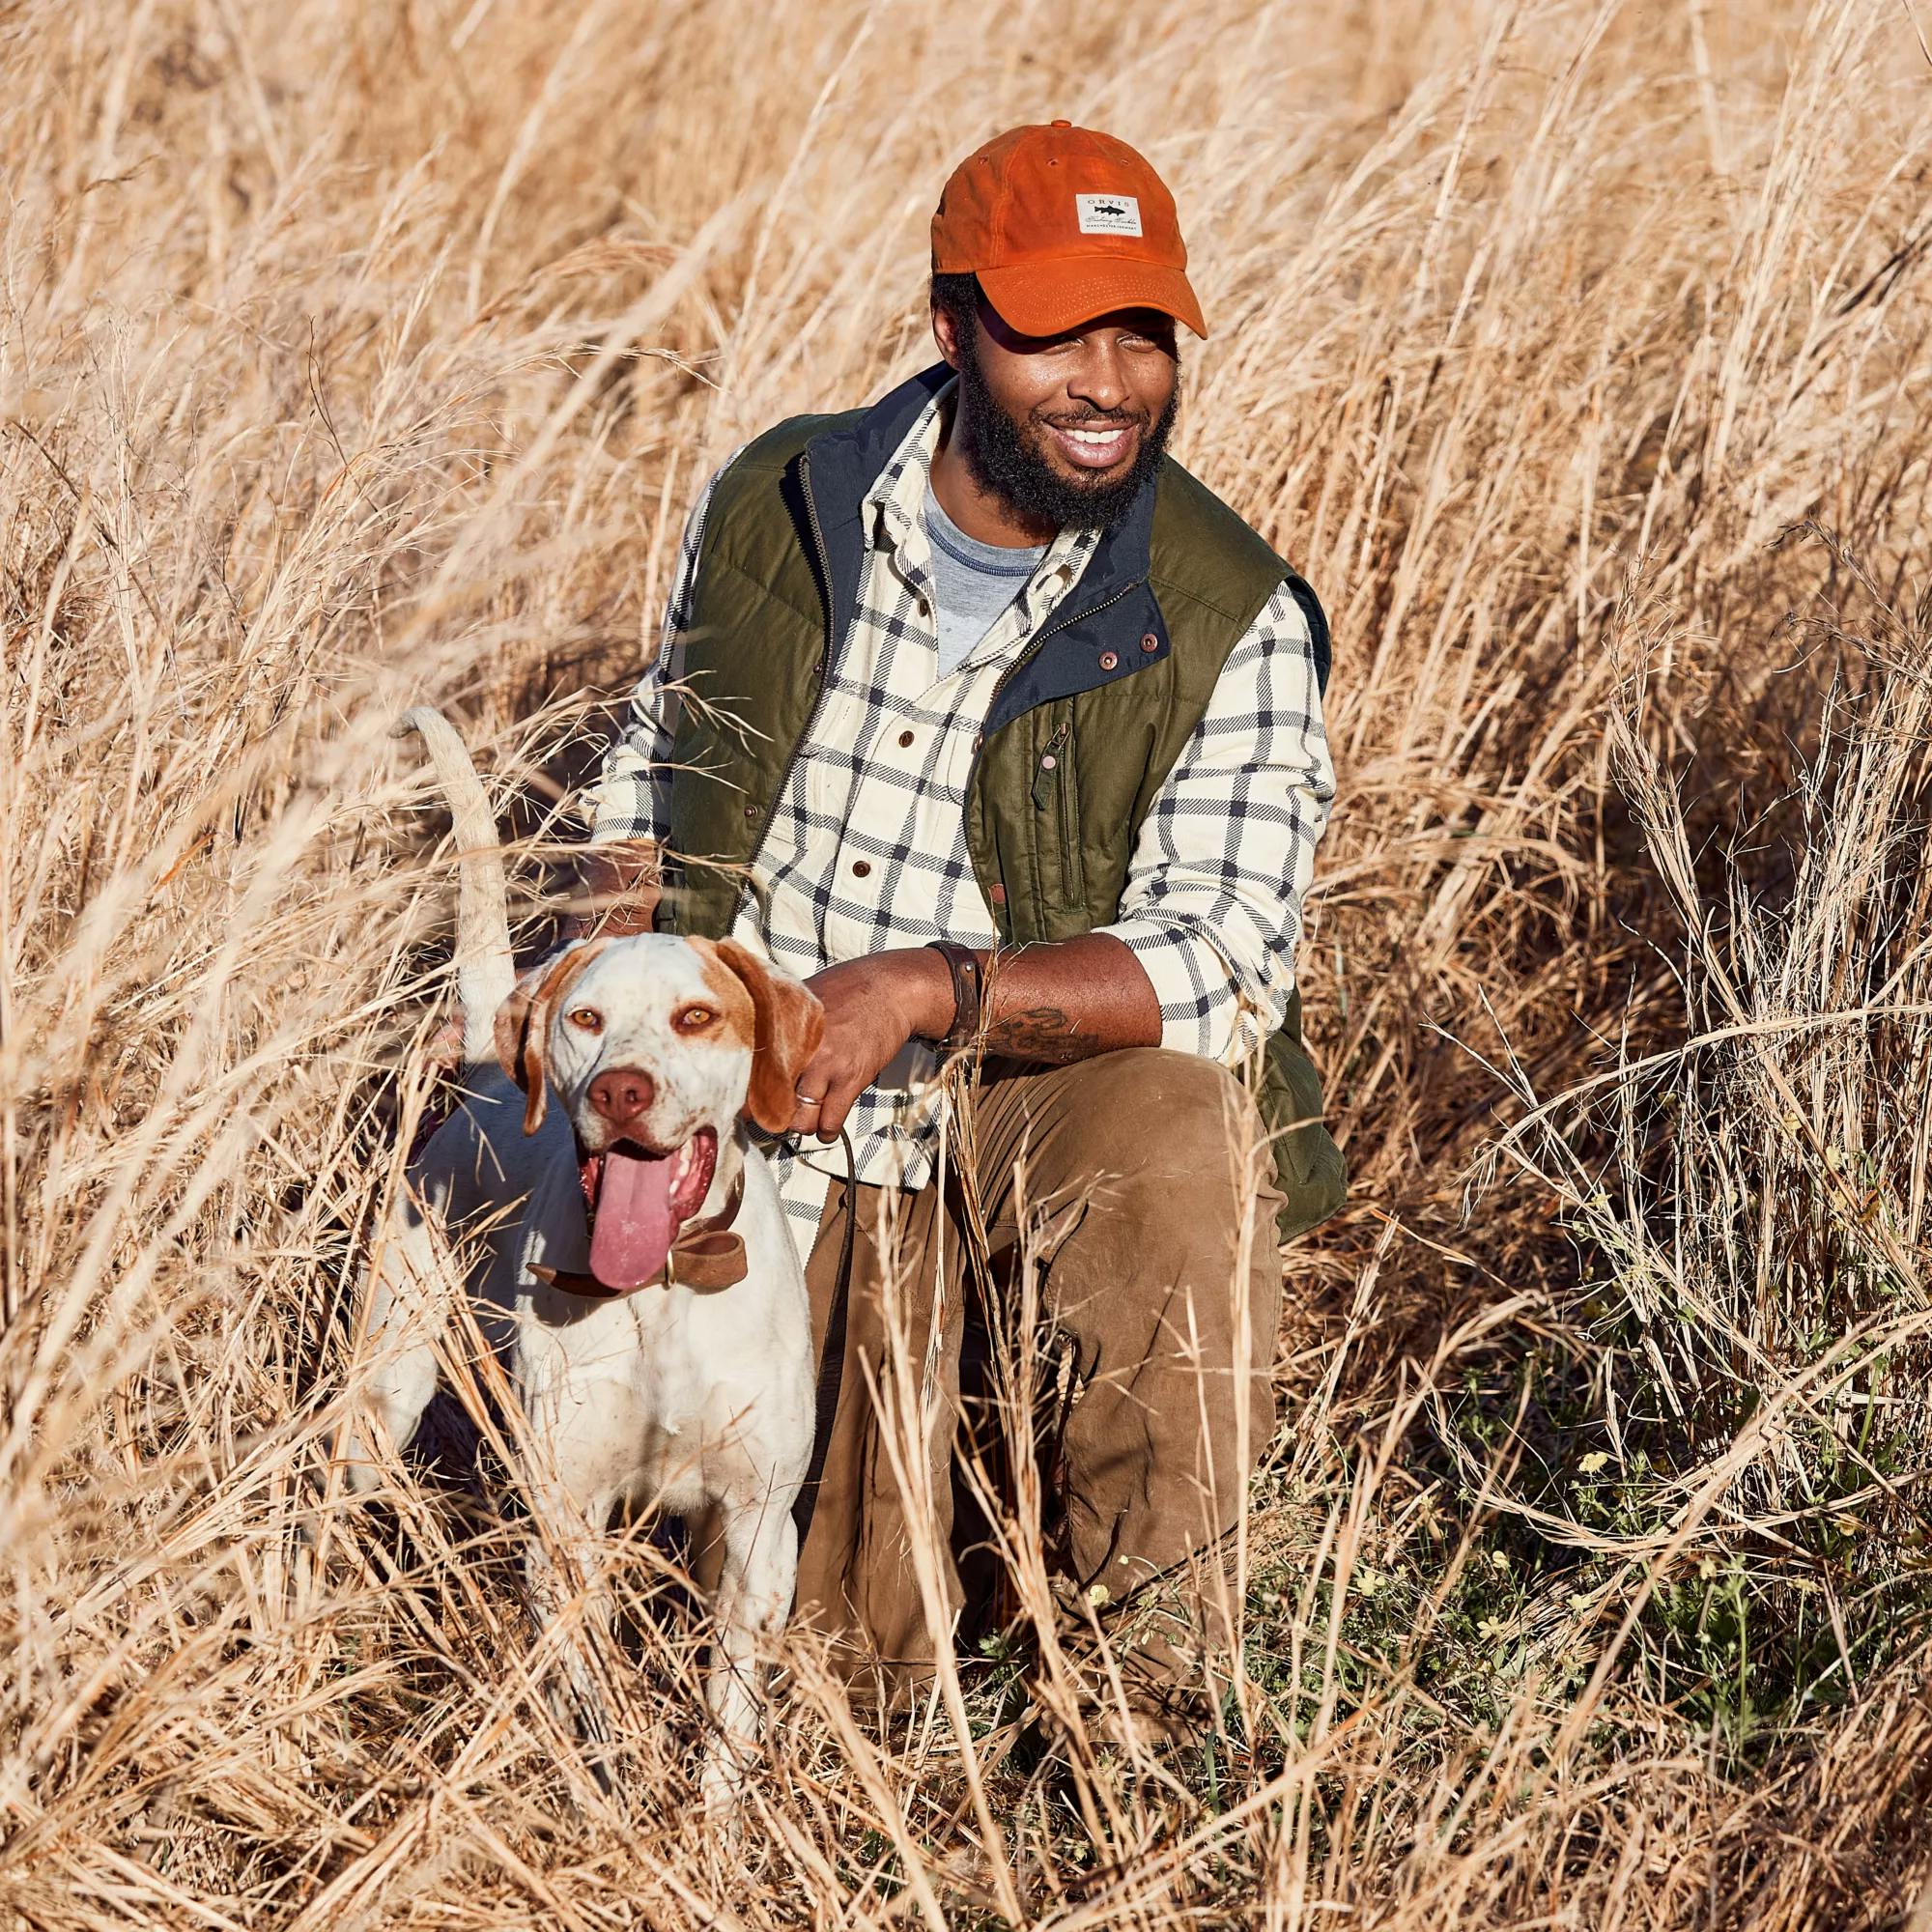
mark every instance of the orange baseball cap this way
{"type": "Point", "coordinates": [1061, 224]}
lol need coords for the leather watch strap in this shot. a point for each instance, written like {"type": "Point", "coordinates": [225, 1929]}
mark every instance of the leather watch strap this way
{"type": "Point", "coordinates": [968, 992]}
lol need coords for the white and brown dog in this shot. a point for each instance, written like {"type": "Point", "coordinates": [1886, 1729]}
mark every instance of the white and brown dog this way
{"type": "Point", "coordinates": [646, 1294]}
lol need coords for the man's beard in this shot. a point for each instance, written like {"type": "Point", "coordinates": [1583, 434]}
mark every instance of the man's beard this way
{"type": "Point", "coordinates": [1006, 461]}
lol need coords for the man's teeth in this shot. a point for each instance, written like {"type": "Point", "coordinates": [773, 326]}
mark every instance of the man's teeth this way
{"type": "Point", "coordinates": [1095, 435]}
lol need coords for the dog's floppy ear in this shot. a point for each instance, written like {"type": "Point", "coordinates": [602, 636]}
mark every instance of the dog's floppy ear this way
{"type": "Point", "coordinates": [789, 1023]}
{"type": "Point", "coordinates": [523, 1023]}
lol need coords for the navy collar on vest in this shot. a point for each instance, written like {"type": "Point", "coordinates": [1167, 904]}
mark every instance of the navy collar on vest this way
{"type": "Point", "coordinates": [840, 465]}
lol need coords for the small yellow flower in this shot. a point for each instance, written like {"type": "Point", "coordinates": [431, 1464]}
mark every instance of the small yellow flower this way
{"type": "Point", "coordinates": [1499, 1559]}
{"type": "Point", "coordinates": [1099, 1594]}
{"type": "Point", "coordinates": [1596, 1459]}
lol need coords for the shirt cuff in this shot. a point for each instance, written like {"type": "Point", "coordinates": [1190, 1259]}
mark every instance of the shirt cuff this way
{"type": "Point", "coordinates": [1199, 1004]}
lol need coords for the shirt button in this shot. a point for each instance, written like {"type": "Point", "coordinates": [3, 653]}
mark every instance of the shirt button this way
{"type": "Point", "coordinates": [1109, 660]}
{"type": "Point", "coordinates": [1149, 642]}
{"type": "Point", "coordinates": [906, 741]}
{"type": "Point", "coordinates": [750, 811]}
{"type": "Point", "coordinates": [862, 868]}
{"type": "Point", "coordinates": [1049, 761]}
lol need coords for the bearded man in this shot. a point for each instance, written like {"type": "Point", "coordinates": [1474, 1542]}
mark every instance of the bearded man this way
{"type": "Point", "coordinates": [980, 713]}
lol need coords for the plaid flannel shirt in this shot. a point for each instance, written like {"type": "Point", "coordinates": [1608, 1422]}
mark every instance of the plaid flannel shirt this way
{"type": "Point", "coordinates": [867, 848]}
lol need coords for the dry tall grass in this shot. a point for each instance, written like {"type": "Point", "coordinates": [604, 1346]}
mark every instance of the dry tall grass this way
{"type": "Point", "coordinates": [1580, 355]}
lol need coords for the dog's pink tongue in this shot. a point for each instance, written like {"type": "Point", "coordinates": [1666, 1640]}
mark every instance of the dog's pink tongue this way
{"type": "Point", "coordinates": [634, 1227]}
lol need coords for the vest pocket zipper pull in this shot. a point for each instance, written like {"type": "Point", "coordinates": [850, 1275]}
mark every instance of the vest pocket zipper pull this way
{"type": "Point", "coordinates": [1047, 772]}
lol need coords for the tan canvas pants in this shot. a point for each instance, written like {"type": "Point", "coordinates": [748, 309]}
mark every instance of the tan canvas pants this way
{"type": "Point", "coordinates": [1131, 1179]}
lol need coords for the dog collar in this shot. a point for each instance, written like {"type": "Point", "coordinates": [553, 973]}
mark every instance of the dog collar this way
{"type": "Point", "coordinates": [705, 1255]}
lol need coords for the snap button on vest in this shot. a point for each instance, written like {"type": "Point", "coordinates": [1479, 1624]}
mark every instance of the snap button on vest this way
{"type": "Point", "coordinates": [998, 894]}
{"type": "Point", "coordinates": [1149, 642]}
{"type": "Point", "coordinates": [1109, 660]}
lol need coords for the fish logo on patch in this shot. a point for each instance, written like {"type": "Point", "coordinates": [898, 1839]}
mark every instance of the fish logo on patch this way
{"type": "Point", "coordinates": [1108, 214]}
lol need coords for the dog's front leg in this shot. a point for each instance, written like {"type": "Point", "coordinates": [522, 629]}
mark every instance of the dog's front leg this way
{"type": "Point", "coordinates": [755, 1580]}
{"type": "Point", "coordinates": [579, 1451]}
{"type": "Point", "coordinates": [571, 1606]}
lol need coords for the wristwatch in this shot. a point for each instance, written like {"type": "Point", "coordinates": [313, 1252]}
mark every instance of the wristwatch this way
{"type": "Point", "coordinates": [967, 987]}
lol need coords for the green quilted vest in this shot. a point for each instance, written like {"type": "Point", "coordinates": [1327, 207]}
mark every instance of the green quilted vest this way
{"type": "Point", "coordinates": [1114, 684]}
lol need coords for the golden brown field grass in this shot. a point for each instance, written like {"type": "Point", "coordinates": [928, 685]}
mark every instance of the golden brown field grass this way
{"type": "Point", "coordinates": [357, 353]}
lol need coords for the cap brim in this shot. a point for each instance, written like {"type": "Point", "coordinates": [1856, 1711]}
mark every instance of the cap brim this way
{"type": "Point", "coordinates": [1050, 298]}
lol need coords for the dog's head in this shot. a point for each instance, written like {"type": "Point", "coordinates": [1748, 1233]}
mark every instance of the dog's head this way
{"type": "Point", "coordinates": [654, 1046]}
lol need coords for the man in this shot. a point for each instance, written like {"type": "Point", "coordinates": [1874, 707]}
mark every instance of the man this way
{"type": "Point", "coordinates": [983, 717]}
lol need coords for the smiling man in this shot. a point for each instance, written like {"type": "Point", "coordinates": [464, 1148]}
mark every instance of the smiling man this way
{"type": "Point", "coordinates": [984, 716]}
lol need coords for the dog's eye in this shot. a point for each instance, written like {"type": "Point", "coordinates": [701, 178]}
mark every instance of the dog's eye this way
{"type": "Point", "coordinates": [586, 1017]}
{"type": "Point", "coordinates": [693, 1019]}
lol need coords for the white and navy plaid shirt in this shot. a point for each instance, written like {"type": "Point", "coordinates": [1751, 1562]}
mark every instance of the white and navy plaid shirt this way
{"type": "Point", "coordinates": [867, 848]}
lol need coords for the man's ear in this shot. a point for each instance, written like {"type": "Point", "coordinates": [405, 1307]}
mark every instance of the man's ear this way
{"type": "Point", "coordinates": [945, 333]}
{"type": "Point", "coordinates": [523, 1023]}
{"type": "Point", "coordinates": [788, 1023]}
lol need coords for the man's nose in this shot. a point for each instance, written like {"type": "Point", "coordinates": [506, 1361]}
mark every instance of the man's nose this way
{"type": "Point", "coordinates": [1098, 379]}
{"type": "Point", "coordinates": [620, 1093]}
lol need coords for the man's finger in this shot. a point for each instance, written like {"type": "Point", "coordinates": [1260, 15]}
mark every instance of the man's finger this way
{"type": "Point", "coordinates": [833, 1108]}
{"type": "Point", "coordinates": [805, 1117]}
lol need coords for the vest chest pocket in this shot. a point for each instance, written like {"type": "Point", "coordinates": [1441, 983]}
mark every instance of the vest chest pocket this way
{"type": "Point", "coordinates": [1056, 819]}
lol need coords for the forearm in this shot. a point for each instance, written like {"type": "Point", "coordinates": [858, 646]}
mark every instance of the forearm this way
{"type": "Point", "coordinates": [1061, 1001]}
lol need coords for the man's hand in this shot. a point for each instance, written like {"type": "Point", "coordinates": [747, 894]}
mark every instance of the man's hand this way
{"type": "Point", "coordinates": [873, 1007]}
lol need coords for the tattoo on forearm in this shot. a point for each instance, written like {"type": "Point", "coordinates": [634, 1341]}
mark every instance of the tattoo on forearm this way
{"type": "Point", "coordinates": [1040, 1033]}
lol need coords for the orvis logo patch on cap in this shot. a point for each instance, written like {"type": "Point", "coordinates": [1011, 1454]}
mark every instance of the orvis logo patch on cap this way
{"type": "Point", "coordinates": [1108, 214]}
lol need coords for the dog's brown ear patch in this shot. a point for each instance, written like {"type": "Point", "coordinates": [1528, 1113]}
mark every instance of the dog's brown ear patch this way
{"type": "Point", "coordinates": [523, 1024]}
{"type": "Point", "coordinates": [789, 1022]}
{"type": "Point", "coordinates": [738, 1018]}
{"type": "Point", "coordinates": [512, 1026]}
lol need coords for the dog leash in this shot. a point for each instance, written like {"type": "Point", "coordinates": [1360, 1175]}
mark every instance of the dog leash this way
{"type": "Point", "coordinates": [831, 1357]}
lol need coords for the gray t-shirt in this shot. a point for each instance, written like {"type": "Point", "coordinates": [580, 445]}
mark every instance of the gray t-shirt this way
{"type": "Point", "coordinates": [973, 583]}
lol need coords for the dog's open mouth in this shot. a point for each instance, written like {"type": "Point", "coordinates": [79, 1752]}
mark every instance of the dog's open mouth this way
{"type": "Point", "coordinates": [639, 1200]}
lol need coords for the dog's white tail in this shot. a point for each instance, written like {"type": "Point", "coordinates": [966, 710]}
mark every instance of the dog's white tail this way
{"type": "Point", "coordinates": [486, 973]}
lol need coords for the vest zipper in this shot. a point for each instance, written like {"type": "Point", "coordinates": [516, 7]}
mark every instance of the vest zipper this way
{"type": "Point", "coordinates": [1026, 657]}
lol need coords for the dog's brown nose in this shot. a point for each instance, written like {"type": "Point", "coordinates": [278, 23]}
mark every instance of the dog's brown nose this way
{"type": "Point", "coordinates": [620, 1093]}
